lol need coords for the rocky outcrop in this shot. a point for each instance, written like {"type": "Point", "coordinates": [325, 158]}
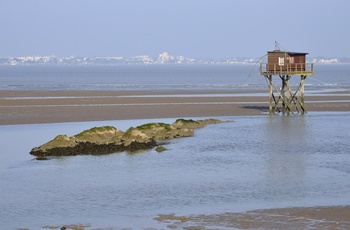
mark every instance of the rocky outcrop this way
{"type": "Point", "coordinates": [160, 131]}
{"type": "Point", "coordinates": [98, 140]}
{"type": "Point", "coordinates": [192, 124]}
{"type": "Point", "coordinates": [108, 139]}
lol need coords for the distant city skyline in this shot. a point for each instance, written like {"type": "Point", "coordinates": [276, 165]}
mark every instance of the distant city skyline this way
{"type": "Point", "coordinates": [163, 58]}
{"type": "Point", "coordinates": [190, 28]}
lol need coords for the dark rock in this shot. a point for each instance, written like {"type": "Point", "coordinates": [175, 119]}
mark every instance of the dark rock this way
{"type": "Point", "coordinates": [136, 146]}
{"type": "Point", "coordinates": [160, 149]}
{"type": "Point", "coordinates": [80, 148]}
{"type": "Point", "coordinates": [100, 140]}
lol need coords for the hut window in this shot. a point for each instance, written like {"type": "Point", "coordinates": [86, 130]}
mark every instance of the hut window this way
{"type": "Point", "coordinates": [281, 61]}
{"type": "Point", "coordinates": [291, 60]}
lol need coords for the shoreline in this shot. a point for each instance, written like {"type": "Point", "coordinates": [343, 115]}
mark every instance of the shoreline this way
{"type": "Point", "coordinates": [317, 217]}
{"type": "Point", "coordinates": [39, 107]}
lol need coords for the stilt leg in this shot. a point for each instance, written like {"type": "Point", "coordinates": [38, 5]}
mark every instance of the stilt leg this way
{"type": "Point", "coordinates": [271, 97]}
{"type": "Point", "coordinates": [301, 97]}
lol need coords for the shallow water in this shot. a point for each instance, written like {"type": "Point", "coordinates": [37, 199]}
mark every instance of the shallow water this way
{"type": "Point", "coordinates": [252, 163]}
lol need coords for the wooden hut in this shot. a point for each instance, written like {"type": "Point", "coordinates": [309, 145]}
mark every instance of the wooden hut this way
{"type": "Point", "coordinates": [286, 64]}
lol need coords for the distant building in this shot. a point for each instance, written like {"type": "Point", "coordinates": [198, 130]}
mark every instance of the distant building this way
{"type": "Point", "coordinates": [326, 61]}
{"type": "Point", "coordinates": [163, 57]}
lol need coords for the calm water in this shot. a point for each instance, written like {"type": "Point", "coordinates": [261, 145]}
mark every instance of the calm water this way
{"type": "Point", "coordinates": [254, 162]}
{"type": "Point", "coordinates": [136, 77]}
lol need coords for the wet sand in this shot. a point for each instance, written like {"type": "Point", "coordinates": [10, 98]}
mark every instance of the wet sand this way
{"type": "Point", "coordinates": [34, 107]}
{"type": "Point", "coordinates": [333, 217]}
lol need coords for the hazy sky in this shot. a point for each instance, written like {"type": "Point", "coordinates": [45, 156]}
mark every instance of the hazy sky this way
{"type": "Point", "coordinates": [193, 28]}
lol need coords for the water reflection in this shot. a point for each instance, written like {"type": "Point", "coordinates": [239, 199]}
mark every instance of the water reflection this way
{"type": "Point", "coordinates": [285, 139]}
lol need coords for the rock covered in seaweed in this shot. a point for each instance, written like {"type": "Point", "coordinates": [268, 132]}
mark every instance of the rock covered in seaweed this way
{"type": "Point", "coordinates": [108, 139]}
{"type": "Point", "coordinates": [104, 134]}
{"type": "Point", "coordinates": [97, 140]}
{"type": "Point", "coordinates": [161, 131]}
{"type": "Point", "coordinates": [194, 124]}
{"type": "Point", "coordinates": [135, 139]}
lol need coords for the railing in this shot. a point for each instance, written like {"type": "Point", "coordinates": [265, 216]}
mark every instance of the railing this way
{"type": "Point", "coordinates": [289, 69]}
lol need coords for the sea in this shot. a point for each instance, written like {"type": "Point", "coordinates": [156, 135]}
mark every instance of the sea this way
{"type": "Point", "coordinates": [254, 162]}
{"type": "Point", "coordinates": [160, 77]}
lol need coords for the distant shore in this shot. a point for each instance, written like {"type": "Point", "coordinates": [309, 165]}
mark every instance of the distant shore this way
{"type": "Point", "coordinates": [37, 106]}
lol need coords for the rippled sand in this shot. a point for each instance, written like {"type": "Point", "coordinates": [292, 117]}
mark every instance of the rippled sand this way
{"type": "Point", "coordinates": [333, 217]}
{"type": "Point", "coordinates": [32, 107]}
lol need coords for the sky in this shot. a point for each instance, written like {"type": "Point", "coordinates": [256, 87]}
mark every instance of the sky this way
{"type": "Point", "coordinates": [191, 28]}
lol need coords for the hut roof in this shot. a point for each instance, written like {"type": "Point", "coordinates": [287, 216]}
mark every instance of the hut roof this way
{"type": "Point", "coordinates": [288, 52]}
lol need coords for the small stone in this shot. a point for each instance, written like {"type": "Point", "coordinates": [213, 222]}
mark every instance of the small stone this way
{"type": "Point", "coordinates": [160, 149]}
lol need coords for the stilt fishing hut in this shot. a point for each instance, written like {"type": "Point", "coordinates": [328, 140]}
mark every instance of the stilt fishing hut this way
{"type": "Point", "coordinates": [286, 64]}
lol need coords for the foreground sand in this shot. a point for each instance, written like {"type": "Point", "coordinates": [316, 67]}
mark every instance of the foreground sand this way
{"type": "Point", "coordinates": [328, 217]}
{"type": "Point", "coordinates": [31, 107]}
{"type": "Point", "coordinates": [336, 217]}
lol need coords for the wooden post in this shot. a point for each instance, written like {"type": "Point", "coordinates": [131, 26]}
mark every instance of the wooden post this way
{"type": "Point", "coordinates": [301, 96]}
{"type": "Point", "coordinates": [288, 95]}
{"type": "Point", "coordinates": [268, 79]}
{"type": "Point", "coordinates": [288, 101]}
{"type": "Point", "coordinates": [283, 93]}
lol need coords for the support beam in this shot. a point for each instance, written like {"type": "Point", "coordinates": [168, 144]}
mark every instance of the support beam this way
{"type": "Point", "coordinates": [268, 79]}
{"type": "Point", "coordinates": [302, 81]}
{"type": "Point", "coordinates": [287, 101]}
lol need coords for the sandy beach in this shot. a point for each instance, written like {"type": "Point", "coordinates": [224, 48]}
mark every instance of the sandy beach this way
{"type": "Point", "coordinates": [32, 107]}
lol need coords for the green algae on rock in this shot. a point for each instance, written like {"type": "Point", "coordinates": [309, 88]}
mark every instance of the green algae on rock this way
{"type": "Point", "coordinates": [108, 139]}
{"type": "Point", "coordinates": [95, 141]}
{"type": "Point", "coordinates": [195, 124]}
{"type": "Point", "coordinates": [161, 131]}
{"type": "Point", "coordinates": [100, 135]}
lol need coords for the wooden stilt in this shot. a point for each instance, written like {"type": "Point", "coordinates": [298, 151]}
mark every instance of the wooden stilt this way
{"type": "Point", "coordinates": [302, 80]}
{"type": "Point", "coordinates": [288, 99]}
{"type": "Point", "coordinates": [268, 79]}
